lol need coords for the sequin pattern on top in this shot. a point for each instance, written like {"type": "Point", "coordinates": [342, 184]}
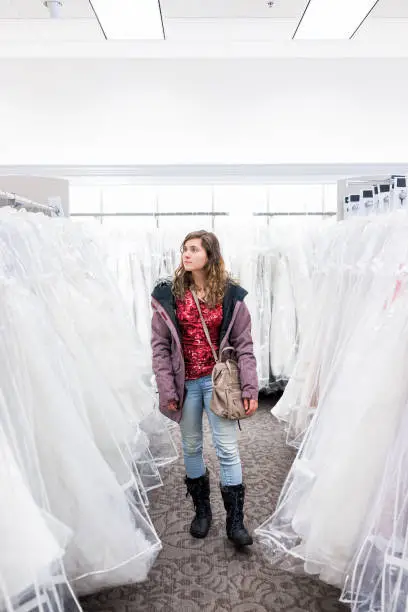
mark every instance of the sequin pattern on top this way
{"type": "Point", "coordinates": [198, 356]}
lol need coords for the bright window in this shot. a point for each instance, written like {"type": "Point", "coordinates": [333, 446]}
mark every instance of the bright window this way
{"type": "Point", "coordinates": [84, 199]}
{"type": "Point", "coordinates": [129, 199]}
{"type": "Point", "coordinates": [187, 224]}
{"type": "Point", "coordinates": [185, 198]}
{"type": "Point", "coordinates": [296, 198]}
{"type": "Point", "coordinates": [330, 198]}
{"type": "Point", "coordinates": [240, 200]}
{"type": "Point", "coordinates": [136, 224]}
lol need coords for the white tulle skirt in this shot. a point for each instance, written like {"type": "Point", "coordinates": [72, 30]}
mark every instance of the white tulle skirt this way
{"type": "Point", "coordinates": [77, 483]}
{"type": "Point", "coordinates": [82, 437]}
{"type": "Point", "coordinates": [378, 575]}
{"type": "Point", "coordinates": [338, 300]}
{"type": "Point", "coordinates": [32, 576]}
{"type": "Point", "coordinates": [322, 512]}
{"type": "Point", "coordinates": [283, 332]}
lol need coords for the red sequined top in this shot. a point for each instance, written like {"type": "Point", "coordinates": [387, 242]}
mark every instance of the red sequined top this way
{"type": "Point", "coordinates": [198, 356]}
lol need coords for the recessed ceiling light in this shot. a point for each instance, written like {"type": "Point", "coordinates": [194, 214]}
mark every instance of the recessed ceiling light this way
{"type": "Point", "coordinates": [129, 19]}
{"type": "Point", "coordinates": [333, 19]}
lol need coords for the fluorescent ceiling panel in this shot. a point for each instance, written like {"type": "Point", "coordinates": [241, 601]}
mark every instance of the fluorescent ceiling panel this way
{"type": "Point", "coordinates": [333, 19]}
{"type": "Point", "coordinates": [129, 19]}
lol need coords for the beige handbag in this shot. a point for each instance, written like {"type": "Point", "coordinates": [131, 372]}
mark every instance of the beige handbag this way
{"type": "Point", "coordinates": [226, 400]}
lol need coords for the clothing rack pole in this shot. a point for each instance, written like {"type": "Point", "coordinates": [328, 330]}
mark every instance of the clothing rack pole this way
{"type": "Point", "coordinates": [15, 201]}
{"type": "Point", "coordinates": [202, 214]}
{"type": "Point", "coordinates": [149, 214]}
{"type": "Point", "coordinates": [296, 214]}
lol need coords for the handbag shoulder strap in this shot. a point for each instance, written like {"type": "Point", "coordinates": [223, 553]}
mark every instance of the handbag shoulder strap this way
{"type": "Point", "coordinates": [204, 324]}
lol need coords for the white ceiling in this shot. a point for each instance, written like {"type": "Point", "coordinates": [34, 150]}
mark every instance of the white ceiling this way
{"type": "Point", "coordinates": [35, 9]}
{"type": "Point", "coordinates": [231, 9]}
{"type": "Point", "coordinates": [391, 8]}
{"type": "Point", "coordinates": [192, 22]}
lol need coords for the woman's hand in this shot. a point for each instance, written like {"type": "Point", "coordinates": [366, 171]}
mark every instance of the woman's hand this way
{"type": "Point", "coordinates": [251, 406]}
{"type": "Point", "coordinates": [172, 406]}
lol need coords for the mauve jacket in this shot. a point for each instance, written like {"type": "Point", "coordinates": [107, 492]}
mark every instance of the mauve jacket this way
{"type": "Point", "coordinates": [168, 360]}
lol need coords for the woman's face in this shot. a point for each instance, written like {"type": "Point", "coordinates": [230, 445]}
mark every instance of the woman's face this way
{"type": "Point", "coordinates": [194, 255]}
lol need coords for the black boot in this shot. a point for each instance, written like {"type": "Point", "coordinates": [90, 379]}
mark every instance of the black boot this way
{"type": "Point", "coordinates": [234, 497]}
{"type": "Point", "coordinates": [199, 489]}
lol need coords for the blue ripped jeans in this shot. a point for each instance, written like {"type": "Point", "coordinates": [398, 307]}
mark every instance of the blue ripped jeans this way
{"type": "Point", "coordinates": [224, 434]}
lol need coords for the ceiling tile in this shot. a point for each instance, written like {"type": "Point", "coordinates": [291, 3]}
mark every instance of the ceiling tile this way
{"type": "Point", "coordinates": [198, 30]}
{"type": "Point", "coordinates": [207, 9]}
{"type": "Point", "coordinates": [391, 8]}
{"type": "Point", "coordinates": [50, 30]}
{"type": "Point", "coordinates": [35, 9]}
{"type": "Point", "coordinates": [386, 30]}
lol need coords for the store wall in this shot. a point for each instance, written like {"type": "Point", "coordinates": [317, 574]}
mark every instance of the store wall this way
{"type": "Point", "coordinates": [203, 111]}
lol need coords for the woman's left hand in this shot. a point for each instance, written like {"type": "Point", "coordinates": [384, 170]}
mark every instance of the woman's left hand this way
{"type": "Point", "coordinates": [251, 406]}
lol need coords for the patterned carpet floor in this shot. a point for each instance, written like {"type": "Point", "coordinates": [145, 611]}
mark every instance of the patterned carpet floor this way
{"type": "Point", "coordinates": [209, 575]}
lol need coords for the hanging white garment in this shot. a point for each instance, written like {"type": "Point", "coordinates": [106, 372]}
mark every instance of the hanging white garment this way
{"type": "Point", "coordinates": [133, 354]}
{"type": "Point", "coordinates": [283, 333]}
{"type": "Point", "coordinates": [378, 576]}
{"type": "Point", "coordinates": [82, 491]}
{"type": "Point", "coordinates": [31, 573]}
{"type": "Point", "coordinates": [335, 295]}
{"type": "Point", "coordinates": [327, 496]}
{"type": "Point", "coordinates": [293, 241]}
{"type": "Point", "coordinates": [72, 439]}
{"type": "Point", "coordinates": [94, 323]}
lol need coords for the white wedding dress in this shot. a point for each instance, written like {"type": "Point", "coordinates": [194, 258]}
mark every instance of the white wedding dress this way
{"type": "Point", "coordinates": [31, 573]}
{"type": "Point", "coordinates": [74, 414]}
{"type": "Point", "coordinates": [336, 294]}
{"type": "Point", "coordinates": [283, 333]}
{"type": "Point", "coordinates": [361, 397]}
{"type": "Point", "coordinates": [378, 576]}
{"type": "Point", "coordinates": [293, 243]}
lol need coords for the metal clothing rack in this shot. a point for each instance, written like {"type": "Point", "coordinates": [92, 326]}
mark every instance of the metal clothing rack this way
{"type": "Point", "coordinates": [344, 187]}
{"type": "Point", "coordinates": [156, 215]}
{"type": "Point", "coordinates": [296, 214]}
{"type": "Point", "coordinates": [202, 214]}
{"type": "Point", "coordinates": [15, 201]}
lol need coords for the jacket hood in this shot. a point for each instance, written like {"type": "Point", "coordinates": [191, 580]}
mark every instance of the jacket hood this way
{"type": "Point", "coordinates": [162, 291]}
{"type": "Point", "coordinates": [235, 292]}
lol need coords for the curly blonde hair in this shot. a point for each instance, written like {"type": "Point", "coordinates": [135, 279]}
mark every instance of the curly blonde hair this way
{"type": "Point", "coordinates": [217, 276]}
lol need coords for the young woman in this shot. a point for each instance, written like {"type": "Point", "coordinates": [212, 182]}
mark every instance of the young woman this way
{"type": "Point", "coordinates": [183, 362]}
